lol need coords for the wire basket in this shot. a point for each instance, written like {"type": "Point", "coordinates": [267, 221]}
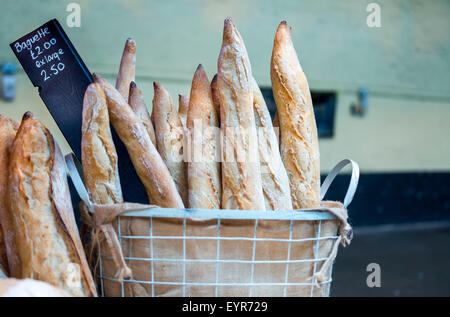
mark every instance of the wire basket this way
{"type": "Point", "coordinates": [185, 252]}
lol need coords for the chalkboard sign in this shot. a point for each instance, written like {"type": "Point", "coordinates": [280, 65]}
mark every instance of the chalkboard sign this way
{"type": "Point", "coordinates": [54, 66]}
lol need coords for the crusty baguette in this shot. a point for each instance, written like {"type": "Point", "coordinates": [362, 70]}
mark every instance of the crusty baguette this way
{"type": "Point", "coordinates": [169, 138]}
{"type": "Point", "coordinates": [241, 176]}
{"type": "Point", "coordinates": [275, 182]}
{"type": "Point", "coordinates": [98, 153]}
{"type": "Point", "coordinates": [137, 103]}
{"type": "Point", "coordinates": [127, 68]}
{"type": "Point", "coordinates": [8, 250]}
{"type": "Point", "coordinates": [215, 96]}
{"type": "Point", "coordinates": [183, 106]}
{"type": "Point", "coordinates": [47, 237]}
{"type": "Point", "coordinates": [204, 180]}
{"type": "Point", "coordinates": [299, 142]}
{"type": "Point", "coordinates": [149, 166]}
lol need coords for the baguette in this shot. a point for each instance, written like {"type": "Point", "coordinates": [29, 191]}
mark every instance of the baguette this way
{"type": "Point", "coordinates": [99, 158]}
{"type": "Point", "coordinates": [8, 250]}
{"type": "Point", "coordinates": [137, 103]}
{"type": "Point", "coordinates": [98, 153]}
{"type": "Point", "coordinates": [205, 188]}
{"type": "Point", "coordinates": [241, 176]}
{"type": "Point", "coordinates": [127, 68]}
{"type": "Point", "coordinates": [183, 106]}
{"type": "Point", "coordinates": [47, 237]}
{"type": "Point", "coordinates": [275, 182]}
{"type": "Point", "coordinates": [169, 138]}
{"type": "Point", "coordinates": [299, 142]}
{"type": "Point", "coordinates": [149, 166]}
{"type": "Point", "coordinates": [215, 96]}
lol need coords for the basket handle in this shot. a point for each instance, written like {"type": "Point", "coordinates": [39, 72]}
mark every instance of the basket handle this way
{"type": "Point", "coordinates": [353, 181]}
{"type": "Point", "coordinates": [75, 172]}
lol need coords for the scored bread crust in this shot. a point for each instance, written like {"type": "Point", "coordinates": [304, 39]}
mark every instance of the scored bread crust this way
{"type": "Point", "coordinates": [215, 96]}
{"type": "Point", "coordinates": [299, 143]}
{"type": "Point", "coordinates": [241, 177]}
{"type": "Point", "coordinates": [8, 250]}
{"type": "Point", "coordinates": [47, 236]}
{"type": "Point", "coordinates": [169, 133]}
{"type": "Point", "coordinates": [137, 103]}
{"type": "Point", "coordinates": [204, 179]}
{"type": "Point", "coordinates": [127, 68]}
{"type": "Point", "coordinates": [183, 106]}
{"type": "Point", "coordinates": [98, 153]}
{"type": "Point", "coordinates": [275, 182]}
{"type": "Point", "coordinates": [150, 167]}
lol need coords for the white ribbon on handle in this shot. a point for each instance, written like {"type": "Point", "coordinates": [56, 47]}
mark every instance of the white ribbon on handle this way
{"type": "Point", "coordinates": [353, 181]}
{"type": "Point", "coordinates": [345, 230]}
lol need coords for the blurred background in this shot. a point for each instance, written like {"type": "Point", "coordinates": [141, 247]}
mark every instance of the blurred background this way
{"type": "Point", "coordinates": [379, 73]}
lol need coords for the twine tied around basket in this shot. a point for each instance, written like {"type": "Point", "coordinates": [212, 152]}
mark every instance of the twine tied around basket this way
{"type": "Point", "coordinates": [99, 218]}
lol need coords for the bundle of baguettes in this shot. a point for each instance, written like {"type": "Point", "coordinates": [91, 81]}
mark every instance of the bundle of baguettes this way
{"type": "Point", "coordinates": [249, 166]}
{"type": "Point", "coordinates": [40, 233]}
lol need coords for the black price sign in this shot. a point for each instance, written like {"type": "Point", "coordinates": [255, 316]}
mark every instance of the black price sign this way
{"type": "Point", "coordinates": [54, 66]}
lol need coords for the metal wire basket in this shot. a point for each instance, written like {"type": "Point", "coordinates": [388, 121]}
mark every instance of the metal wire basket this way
{"type": "Point", "coordinates": [185, 252]}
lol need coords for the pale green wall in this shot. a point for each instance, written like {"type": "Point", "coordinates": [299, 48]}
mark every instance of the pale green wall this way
{"type": "Point", "coordinates": [405, 63]}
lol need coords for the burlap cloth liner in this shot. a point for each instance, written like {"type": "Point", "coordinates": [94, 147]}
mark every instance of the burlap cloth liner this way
{"type": "Point", "coordinates": [101, 217]}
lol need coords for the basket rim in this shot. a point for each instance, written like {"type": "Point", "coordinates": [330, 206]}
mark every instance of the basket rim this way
{"type": "Point", "coordinates": [301, 214]}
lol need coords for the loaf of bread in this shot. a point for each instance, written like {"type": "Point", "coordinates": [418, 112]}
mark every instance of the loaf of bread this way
{"type": "Point", "coordinates": [29, 288]}
{"type": "Point", "coordinates": [127, 68]}
{"type": "Point", "coordinates": [47, 238]}
{"type": "Point", "coordinates": [8, 129]}
{"type": "Point", "coordinates": [275, 182]}
{"type": "Point", "coordinates": [98, 153]}
{"type": "Point", "coordinates": [137, 103]}
{"type": "Point", "coordinates": [241, 176]}
{"type": "Point", "coordinates": [215, 96]}
{"type": "Point", "coordinates": [183, 106]}
{"type": "Point", "coordinates": [299, 142]}
{"type": "Point", "coordinates": [204, 179]}
{"type": "Point", "coordinates": [169, 138]}
{"type": "Point", "coordinates": [149, 166]}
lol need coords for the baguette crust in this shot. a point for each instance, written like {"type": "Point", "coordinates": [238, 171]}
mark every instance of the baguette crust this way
{"type": "Point", "coordinates": [215, 96]}
{"type": "Point", "coordinates": [276, 121]}
{"type": "Point", "coordinates": [98, 153]}
{"type": "Point", "coordinates": [183, 106]}
{"type": "Point", "coordinates": [8, 251]}
{"type": "Point", "coordinates": [205, 188]}
{"type": "Point", "coordinates": [137, 103]}
{"type": "Point", "coordinates": [149, 166]}
{"type": "Point", "coordinates": [127, 68]}
{"type": "Point", "coordinates": [275, 182]}
{"type": "Point", "coordinates": [169, 138]}
{"type": "Point", "coordinates": [47, 237]}
{"type": "Point", "coordinates": [241, 176]}
{"type": "Point", "coordinates": [299, 142]}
